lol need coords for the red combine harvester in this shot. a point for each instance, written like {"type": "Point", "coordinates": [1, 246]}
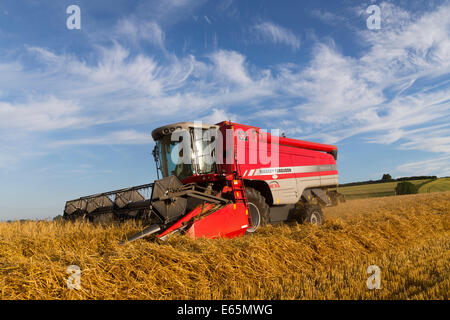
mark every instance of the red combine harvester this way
{"type": "Point", "coordinates": [221, 180]}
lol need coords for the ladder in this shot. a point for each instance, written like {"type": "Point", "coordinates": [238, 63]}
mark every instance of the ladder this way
{"type": "Point", "coordinates": [237, 184]}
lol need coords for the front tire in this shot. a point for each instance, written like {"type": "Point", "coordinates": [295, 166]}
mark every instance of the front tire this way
{"type": "Point", "coordinates": [312, 214]}
{"type": "Point", "coordinates": [258, 210]}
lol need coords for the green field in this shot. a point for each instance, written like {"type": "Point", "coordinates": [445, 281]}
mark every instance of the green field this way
{"type": "Point", "coordinates": [388, 188]}
{"type": "Point", "coordinates": [439, 185]}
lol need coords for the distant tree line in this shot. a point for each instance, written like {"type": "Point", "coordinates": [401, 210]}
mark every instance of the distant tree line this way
{"type": "Point", "coordinates": [387, 178]}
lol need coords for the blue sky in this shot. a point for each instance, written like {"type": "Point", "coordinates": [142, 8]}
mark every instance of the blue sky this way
{"type": "Point", "coordinates": [77, 106]}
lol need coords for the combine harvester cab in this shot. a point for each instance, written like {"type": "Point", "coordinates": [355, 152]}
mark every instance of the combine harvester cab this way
{"type": "Point", "coordinates": [213, 185]}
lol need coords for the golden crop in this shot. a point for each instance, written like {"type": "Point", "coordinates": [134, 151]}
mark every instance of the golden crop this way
{"type": "Point", "coordinates": [406, 236]}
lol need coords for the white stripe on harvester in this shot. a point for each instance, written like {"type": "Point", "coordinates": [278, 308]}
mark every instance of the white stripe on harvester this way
{"type": "Point", "coordinates": [245, 173]}
{"type": "Point", "coordinates": [251, 172]}
{"type": "Point", "coordinates": [297, 169]}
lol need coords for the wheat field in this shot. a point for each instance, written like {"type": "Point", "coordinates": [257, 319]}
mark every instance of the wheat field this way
{"type": "Point", "coordinates": [408, 237]}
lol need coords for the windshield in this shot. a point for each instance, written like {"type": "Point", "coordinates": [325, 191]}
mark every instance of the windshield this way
{"type": "Point", "coordinates": [171, 157]}
{"type": "Point", "coordinates": [185, 156]}
{"type": "Point", "coordinates": [204, 151]}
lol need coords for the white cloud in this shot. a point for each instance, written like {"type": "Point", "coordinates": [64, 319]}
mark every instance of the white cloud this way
{"type": "Point", "coordinates": [11, 155]}
{"type": "Point", "coordinates": [41, 115]}
{"type": "Point", "coordinates": [408, 46]}
{"type": "Point", "coordinates": [388, 92]}
{"type": "Point", "coordinates": [230, 65]}
{"type": "Point", "coordinates": [434, 139]}
{"type": "Point", "coordinates": [273, 33]}
{"type": "Point", "coordinates": [135, 31]}
{"type": "Point", "coordinates": [127, 137]}
{"type": "Point", "coordinates": [219, 115]}
{"type": "Point", "coordinates": [332, 86]}
{"type": "Point", "coordinates": [436, 166]}
{"type": "Point", "coordinates": [328, 17]}
{"type": "Point", "coordinates": [122, 88]}
{"type": "Point", "coordinates": [167, 12]}
{"type": "Point", "coordinates": [118, 83]}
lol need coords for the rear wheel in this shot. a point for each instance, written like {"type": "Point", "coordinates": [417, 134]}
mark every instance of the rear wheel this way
{"type": "Point", "coordinates": [312, 214]}
{"type": "Point", "coordinates": [258, 210]}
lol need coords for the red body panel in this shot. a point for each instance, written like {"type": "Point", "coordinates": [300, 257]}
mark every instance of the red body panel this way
{"type": "Point", "coordinates": [229, 221]}
{"type": "Point", "coordinates": [291, 153]}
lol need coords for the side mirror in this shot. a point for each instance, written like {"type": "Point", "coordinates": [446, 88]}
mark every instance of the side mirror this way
{"type": "Point", "coordinates": [155, 153]}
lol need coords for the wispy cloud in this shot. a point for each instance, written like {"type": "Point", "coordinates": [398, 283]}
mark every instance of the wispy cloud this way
{"type": "Point", "coordinates": [167, 12]}
{"type": "Point", "coordinates": [128, 137]}
{"type": "Point", "coordinates": [328, 17]}
{"type": "Point", "coordinates": [231, 65]}
{"type": "Point", "coordinates": [438, 166]}
{"type": "Point", "coordinates": [42, 114]}
{"type": "Point", "coordinates": [217, 115]}
{"type": "Point", "coordinates": [391, 90]}
{"type": "Point", "coordinates": [136, 31]}
{"type": "Point", "coordinates": [276, 34]}
{"type": "Point", "coordinates": [392, 93]}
